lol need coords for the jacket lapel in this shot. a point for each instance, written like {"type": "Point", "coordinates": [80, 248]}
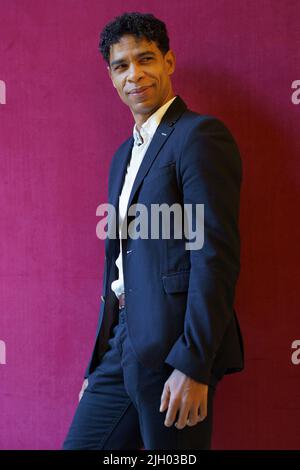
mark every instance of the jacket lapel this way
{"type": "Point", "coordinates": [162, 133]}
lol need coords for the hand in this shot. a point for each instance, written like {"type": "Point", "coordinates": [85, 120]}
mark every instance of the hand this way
{"type": "Point", "coordinates": [84, 385]}
{"type": "Point", "coordinates": [186, 395]}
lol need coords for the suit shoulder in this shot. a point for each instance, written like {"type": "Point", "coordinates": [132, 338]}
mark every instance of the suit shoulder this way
{"type": "Point", "coordinates": [210, 134]}
{"type": "Point", "coordinates": [120, 150]}
{"type": "Point", "coordinates": [205, 123]}
{"type": "Point", "coordinates": [122, 146]}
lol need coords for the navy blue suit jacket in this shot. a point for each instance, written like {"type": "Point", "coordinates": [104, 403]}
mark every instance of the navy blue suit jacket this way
{"type": "Point", "coordinates": [179, 302]}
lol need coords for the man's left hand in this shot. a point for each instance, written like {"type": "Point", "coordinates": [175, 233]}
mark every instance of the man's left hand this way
{"type": "Point", "coordinates": [186, 395]}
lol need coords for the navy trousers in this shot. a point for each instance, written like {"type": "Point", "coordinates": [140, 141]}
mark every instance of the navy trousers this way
{"type": "Point", "coordinates": [119, 409]}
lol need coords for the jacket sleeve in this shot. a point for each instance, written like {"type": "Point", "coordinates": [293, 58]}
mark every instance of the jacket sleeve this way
{"type": "Point", "coordinates": [211, 174]}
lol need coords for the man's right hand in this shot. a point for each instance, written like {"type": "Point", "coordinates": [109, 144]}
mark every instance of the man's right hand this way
{"type": "Point", "coordinates": [84, 385]}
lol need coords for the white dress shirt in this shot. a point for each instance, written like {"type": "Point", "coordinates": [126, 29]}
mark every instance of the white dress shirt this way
{"type": "Point", "coordinates": [142, 141]}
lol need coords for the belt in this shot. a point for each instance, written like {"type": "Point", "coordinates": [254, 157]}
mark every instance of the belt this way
{"type": "Point", "coordinates": [122, 301]}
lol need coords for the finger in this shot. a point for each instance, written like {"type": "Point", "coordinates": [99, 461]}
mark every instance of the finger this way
{"type": "Point", "coordinates": [165, 398]}
{"type": "Point", "coordinates": [183, 415]}
{"type": "Point", "coordinates": [202, 410]}
{"type": "Point", "coordinates": [193, 416]}
{"type": "Point", "coordinates": [171, 413]}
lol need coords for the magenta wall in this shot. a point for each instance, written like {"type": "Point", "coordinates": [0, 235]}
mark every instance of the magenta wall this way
{"type": "Point", "coordinates": [60, 124]}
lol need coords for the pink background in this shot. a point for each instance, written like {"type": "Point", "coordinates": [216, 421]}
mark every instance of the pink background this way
{"type": "Point", "coordinates": [59, 128]}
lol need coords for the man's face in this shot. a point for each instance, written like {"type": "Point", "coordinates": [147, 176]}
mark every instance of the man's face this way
{"type": "Point", "coordinates": [141, 74]}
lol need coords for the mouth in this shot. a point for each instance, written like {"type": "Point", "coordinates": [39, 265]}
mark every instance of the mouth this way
{"type": "Point", "coordinates": [139, 91]}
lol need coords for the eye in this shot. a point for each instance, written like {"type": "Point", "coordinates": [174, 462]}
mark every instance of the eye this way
{"type": "Point", "coordinates": [146, 59]}
{"type": "Point", "coordinates": [120, 66]}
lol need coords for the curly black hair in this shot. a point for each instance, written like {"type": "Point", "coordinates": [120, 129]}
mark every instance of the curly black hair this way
{"type": "Point", "coordinates": [140, 25]}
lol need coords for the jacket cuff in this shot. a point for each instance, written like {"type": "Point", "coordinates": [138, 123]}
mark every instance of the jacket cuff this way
{"type": "Point", "coordinates": [182, 358]}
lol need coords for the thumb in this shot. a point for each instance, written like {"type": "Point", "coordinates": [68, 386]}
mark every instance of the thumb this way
{"type": "Point", "coordinates": [165, 398]}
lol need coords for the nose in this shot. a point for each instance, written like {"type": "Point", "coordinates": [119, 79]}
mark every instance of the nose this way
{"type": "Point", "coordinates": [135, 72]}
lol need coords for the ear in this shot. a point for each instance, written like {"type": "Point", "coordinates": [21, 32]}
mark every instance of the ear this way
{"type": "Point", "coordinates": [110, 76]}
{"type": "Point", "coordinates": [170, 61]}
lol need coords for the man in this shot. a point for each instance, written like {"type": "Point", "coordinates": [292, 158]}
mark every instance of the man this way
{"type": "Point", "coordinates": [167, 330]}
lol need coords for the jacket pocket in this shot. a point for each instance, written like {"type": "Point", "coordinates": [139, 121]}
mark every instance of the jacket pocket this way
{"type": "Point", "coordinates": [176, 282]}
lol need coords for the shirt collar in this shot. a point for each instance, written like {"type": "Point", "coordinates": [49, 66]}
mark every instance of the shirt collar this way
{"type": "Point", "coordinates": [149, 127]}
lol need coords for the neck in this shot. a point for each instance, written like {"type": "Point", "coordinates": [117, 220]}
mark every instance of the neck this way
{"type": "Point", "coordinates": [141, 118]}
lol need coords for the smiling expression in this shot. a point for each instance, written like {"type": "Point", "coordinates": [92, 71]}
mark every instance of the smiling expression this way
{"type": "Point", "coordinates": [141, 75]}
